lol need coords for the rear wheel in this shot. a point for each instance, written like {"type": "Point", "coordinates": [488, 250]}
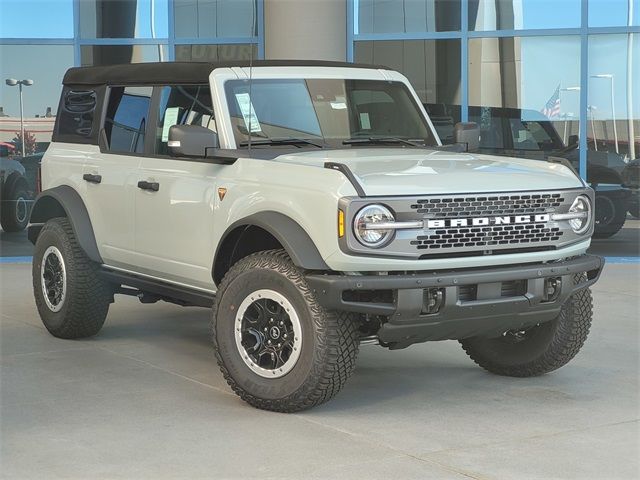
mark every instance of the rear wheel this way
{"type": "Point", "coordinates": [72, 299]}
{"type": "Point", "coordinates": [539, 349]}
{"type": "Point", "coordinates": [276, 346]}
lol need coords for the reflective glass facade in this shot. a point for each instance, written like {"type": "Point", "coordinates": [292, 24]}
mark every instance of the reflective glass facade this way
{"type": "Point", "coordinates": [541, 78]}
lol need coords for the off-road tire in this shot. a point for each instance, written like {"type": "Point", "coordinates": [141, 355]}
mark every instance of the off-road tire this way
{"type": "Point", "coordinates": [616, 219]}
{"type": "Point", "coordinates": [87, 297]}
{"type": "Point", "coordinates": [15, 198]}
{"type": "Point", "coordinates": [329, 347]}
{"type": "Point", "coordinates": [552, 345]}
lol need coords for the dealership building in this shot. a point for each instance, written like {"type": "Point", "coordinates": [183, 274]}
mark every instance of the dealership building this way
{"type": "Point", "coordinates": [541, 78]}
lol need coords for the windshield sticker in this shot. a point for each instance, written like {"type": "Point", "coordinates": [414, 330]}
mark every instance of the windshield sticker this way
{"type": "Point", "coordinates": [364, 121]}
{"type": "Point", "coordinates": [170, 119]}
{"type": "Point", "coordinates": [338, 105]}
{"type": "Point", "coordinates": [248, 113]}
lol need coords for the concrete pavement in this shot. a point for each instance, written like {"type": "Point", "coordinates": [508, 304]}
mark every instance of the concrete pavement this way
{"type": "Point", "coordinates": [144, 399]}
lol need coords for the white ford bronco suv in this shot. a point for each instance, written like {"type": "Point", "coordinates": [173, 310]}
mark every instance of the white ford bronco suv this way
{"type": "Point", "coordinates": [313, 208]}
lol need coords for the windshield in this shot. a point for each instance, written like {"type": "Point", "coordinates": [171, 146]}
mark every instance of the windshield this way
{"type": "Point", "coordinates": [324, 111]}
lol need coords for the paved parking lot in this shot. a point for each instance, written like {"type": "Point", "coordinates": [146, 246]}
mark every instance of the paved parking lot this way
{"type": "Point", "coordinates": [144, 399]}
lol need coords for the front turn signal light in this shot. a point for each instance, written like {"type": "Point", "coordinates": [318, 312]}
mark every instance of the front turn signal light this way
{"type": "Point", "coordinates": [340, 223]}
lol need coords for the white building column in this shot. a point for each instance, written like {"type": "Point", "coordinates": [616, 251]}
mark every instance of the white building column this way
{"type": "Point", "coordinates": [305, 29]}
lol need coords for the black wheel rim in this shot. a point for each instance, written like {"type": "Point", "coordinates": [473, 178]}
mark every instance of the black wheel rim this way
{"type": "Point", "coordinates": [268, 333]}
{"type": "Point", "coordinates": [53, 278]}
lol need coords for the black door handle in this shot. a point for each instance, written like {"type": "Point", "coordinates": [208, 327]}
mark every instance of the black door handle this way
{"type": "Point", "coordinates": [91, 178]}
{"type": "Point", "coordinates": [153, 186]}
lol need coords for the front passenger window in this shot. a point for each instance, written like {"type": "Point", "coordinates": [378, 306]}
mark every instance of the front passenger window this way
{"type": "Point", "coordinates": [127, 117]}
{"type": "Point", "coordinates": [182, 105]}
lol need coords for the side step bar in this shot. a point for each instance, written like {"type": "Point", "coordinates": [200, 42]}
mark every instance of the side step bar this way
{"type": "Point", "coordinates": [151, 290]}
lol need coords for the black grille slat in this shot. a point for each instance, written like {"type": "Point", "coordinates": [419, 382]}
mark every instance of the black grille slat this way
{"type": "Point", "coordinates": [488, 236]}
{"type": "Point", "coordinates": [456, 207]}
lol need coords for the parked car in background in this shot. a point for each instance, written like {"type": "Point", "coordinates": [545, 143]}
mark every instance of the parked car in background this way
{"type": "Point", "coordinates": [525, 133]}
{"type": "Point", "coordinates": [631, 180]}
{"type": "Point", "coordinates": [15, 194]}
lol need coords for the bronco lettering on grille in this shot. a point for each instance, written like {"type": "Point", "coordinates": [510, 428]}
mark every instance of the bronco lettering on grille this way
{"type": "Point", "coordinates": [485, 221]}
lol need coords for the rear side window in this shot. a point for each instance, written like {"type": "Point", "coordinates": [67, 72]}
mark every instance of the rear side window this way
{"type": "Point", "coordinates": [127, 118]}
{"type": "Point", "coordinates": [77, 111]}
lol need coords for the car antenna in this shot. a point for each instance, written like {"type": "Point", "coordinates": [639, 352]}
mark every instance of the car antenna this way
{"type": "Point", "coordinates": [253, 27]}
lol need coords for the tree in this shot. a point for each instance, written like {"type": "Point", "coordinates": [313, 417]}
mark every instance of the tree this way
{"type": "Point", "coordinates": [30, 143]}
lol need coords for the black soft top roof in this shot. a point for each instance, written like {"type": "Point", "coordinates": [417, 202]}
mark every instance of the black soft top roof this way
{"type": "Point", "coordinates": [178, 72]}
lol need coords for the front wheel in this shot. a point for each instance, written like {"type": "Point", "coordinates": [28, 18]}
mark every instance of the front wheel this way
{"type": "Point", "coordinates": [277, 348]}
{"type": "Point", "coordinates": [539, 349]}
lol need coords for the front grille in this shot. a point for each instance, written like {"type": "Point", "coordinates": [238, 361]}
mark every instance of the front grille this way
{"type": "Point", "coordinates": [489, 236]}
{"type": "Point", "coordinates": [466, 206]}
{"type": "Point", "coordinates": [472, 224]}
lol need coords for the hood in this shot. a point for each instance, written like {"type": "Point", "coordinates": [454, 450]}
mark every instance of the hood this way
{"type": "Point", "coordinates": [409, 171]}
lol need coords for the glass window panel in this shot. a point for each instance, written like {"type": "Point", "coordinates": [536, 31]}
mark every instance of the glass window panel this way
{"type": "Point", "coordinates": [36, 18]}
{"type": "Point", "coordinates": [215, 18]}
{"type": "Point", "coordinates": [45, 65]}
{"type": "Point", "coordinates": [216, 53]}
{"type": "Point", "coordinates": [398, 16]}
{"type": "Point", "coordinates": [92, 55]}
{"type": "Point", "coordinates": [432, 67]}
{"type": "Point", "coordinates": [183, 105]}
{"type": "Point", "coordinates": [523, 14]}
{"type": "Point", "coordinates": [124, 19]}
{"type": "Point", "coordinates": [126, 120]}
{"type": "Point", "coordinates": [614, 102]}
{"type": "Point", "coordinates": [614, 13]}
{"type": "Point", "coordinates": [524, 93]}
{"type": "Point", "coordinates": [613, 141]}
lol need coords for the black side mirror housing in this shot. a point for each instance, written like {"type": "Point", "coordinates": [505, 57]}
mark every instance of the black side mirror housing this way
{"type": "Point", "coordinates": [573, 140]}
{"type": "Point", "coordinates": [467, 133]}
{"type": "Point", "coordinates": [191, 141]}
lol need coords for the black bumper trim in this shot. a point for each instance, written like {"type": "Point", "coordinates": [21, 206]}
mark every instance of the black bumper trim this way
{"type": "Point", "coordinates": [457, 318]}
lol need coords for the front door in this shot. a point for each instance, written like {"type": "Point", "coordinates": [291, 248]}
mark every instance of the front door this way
{"type": "Point", "coordinates": [175, 198]}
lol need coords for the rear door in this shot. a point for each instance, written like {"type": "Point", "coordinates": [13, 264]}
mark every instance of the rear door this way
{"type": "Point", "coordinates": [111, 175]}
{"type": "Point", "coordinates": [175, 205]}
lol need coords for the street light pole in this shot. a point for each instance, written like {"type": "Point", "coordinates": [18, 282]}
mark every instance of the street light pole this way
{"type": "Point", "coordinates": [567, 89]}
{"type": "Point", "coordinates": [12, 82]}
{"type": "Point", "coordinates": [613, 106]}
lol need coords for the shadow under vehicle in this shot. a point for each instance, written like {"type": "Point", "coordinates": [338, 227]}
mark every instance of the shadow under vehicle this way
{"type": "Point", "coordinates": [18, 185]}
{"type": "Point", "coordinates": [525, 133]}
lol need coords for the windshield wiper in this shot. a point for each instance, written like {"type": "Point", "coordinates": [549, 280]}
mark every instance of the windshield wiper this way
{"type": "Point", "coordinates": [377, 140]}
{"type": "Point", "coordinates": [282, 141]}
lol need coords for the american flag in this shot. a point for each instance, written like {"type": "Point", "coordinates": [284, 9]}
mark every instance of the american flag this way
{"type": "Point", "coordinates": [552, 107]}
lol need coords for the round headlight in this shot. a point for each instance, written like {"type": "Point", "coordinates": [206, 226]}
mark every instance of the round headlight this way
{"type": "Point", "coordinates": [581, 205]}
{"type": "Point", "coordinates": [364, 226]}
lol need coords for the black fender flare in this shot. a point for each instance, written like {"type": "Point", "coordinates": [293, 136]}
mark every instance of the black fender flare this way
{"type": "Point", "coordinates": [293, 238]}
{"type": "Point", "coordinates": [64, 201]}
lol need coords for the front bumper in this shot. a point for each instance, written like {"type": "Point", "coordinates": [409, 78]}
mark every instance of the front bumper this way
{"type": "Point", "coordinates": [474, 300]}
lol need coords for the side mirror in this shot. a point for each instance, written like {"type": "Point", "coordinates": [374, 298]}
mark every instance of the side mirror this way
{"type": "Point", "coordinates": [191, 141]}
{"type": "Point", "coordinates": [573, 140]}
{"type": "Point", "coordinates": [467, 133]}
